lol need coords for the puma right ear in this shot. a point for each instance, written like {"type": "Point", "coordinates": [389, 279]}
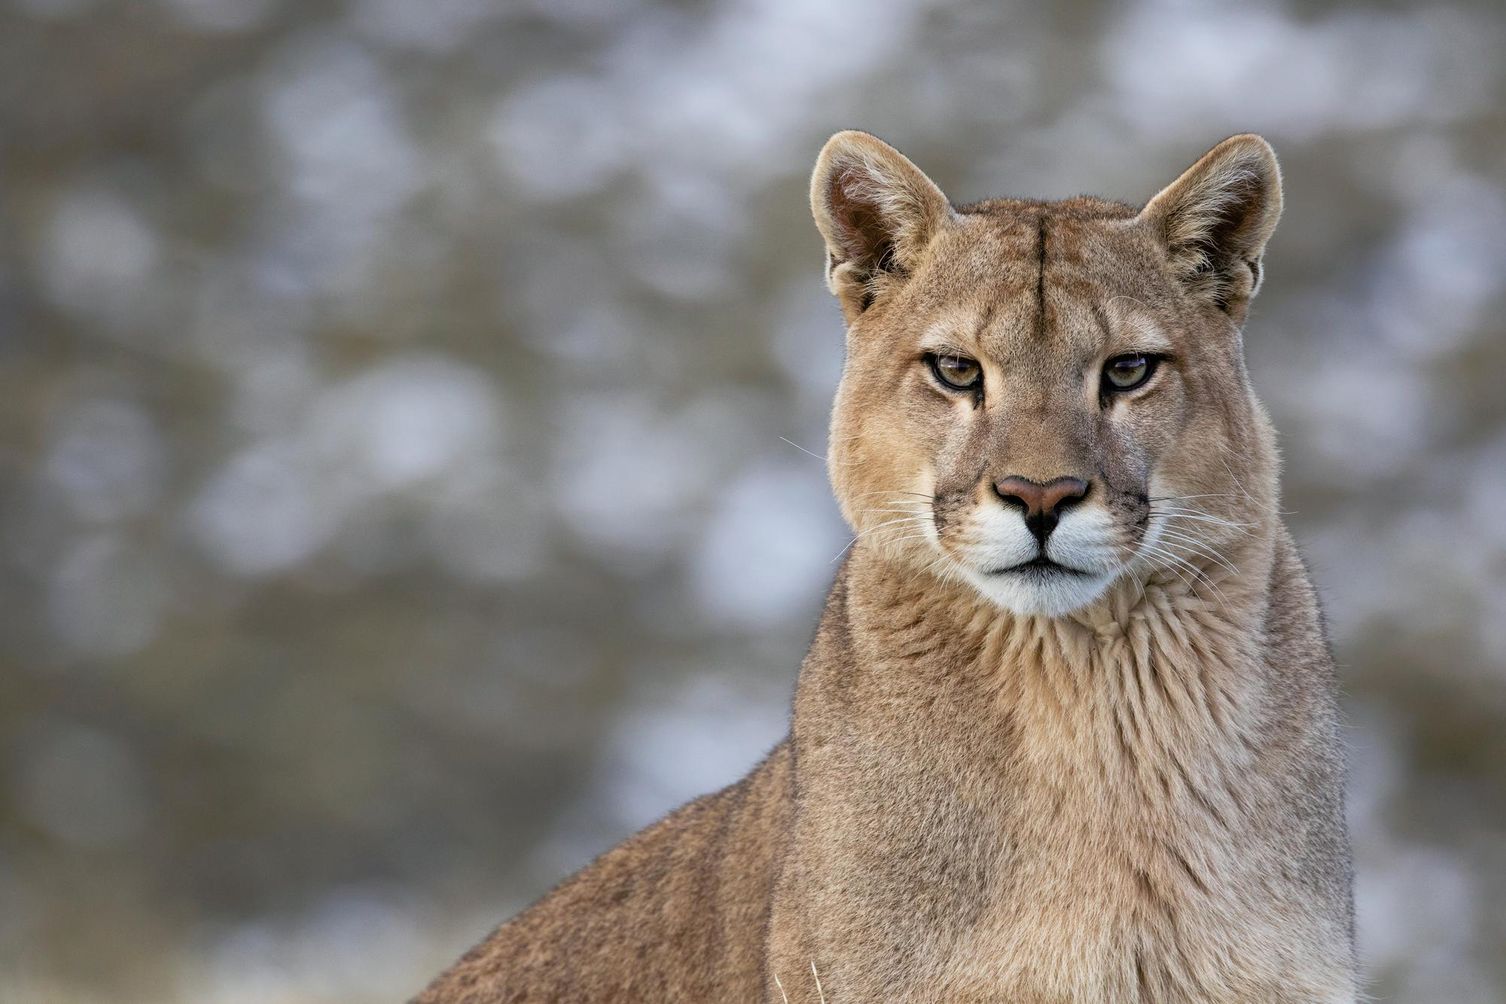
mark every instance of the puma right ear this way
{"type": "Point", "coordinates": [1216, 218]}
{"type": "Point", "coordinates": [877, 212]}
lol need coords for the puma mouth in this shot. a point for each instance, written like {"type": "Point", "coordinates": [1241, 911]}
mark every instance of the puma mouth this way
{"type": "Point", "coordinates": [1038, 565]}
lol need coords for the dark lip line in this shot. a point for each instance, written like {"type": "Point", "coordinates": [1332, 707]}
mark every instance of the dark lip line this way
{"type": "Point", "coordinates": [1040, 564]}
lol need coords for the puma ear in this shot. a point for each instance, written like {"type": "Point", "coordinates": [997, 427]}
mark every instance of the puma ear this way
{"type": "Point", "coordinates": [877, 212]}
{"type": "Point", "coordinates": [1216, 218]}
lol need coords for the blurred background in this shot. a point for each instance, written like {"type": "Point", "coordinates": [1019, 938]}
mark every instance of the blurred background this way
{"type": "Point", "coordinates": [397, 508]}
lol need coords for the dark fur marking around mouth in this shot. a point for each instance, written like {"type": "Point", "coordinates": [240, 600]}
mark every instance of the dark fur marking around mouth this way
{"type": "Point", "coordinates": [1038, 564]}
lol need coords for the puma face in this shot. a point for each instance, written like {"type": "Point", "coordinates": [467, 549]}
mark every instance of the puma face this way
{"type": "Point", "coordinates": [1045, 398]}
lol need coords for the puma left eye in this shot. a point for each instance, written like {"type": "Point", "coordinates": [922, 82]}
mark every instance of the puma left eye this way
{"type": "Point", "coordinates": [1128, 371]}
{"type": "Point", "coordinates": [956, 372]}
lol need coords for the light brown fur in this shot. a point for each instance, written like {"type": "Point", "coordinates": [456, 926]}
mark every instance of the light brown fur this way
{"type": "Point", "coordinates": [1134, 798]}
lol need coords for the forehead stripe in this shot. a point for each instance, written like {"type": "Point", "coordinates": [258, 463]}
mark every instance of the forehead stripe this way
{"type": "Point", "coordinates": [1040, 278]}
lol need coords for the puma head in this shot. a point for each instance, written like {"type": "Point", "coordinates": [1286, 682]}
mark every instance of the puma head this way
{"type": "Point", "coordinates": [1043, 398]}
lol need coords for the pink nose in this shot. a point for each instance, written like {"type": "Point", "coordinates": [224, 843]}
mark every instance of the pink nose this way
{"type": "Point", "coordinates": [1042, 504]}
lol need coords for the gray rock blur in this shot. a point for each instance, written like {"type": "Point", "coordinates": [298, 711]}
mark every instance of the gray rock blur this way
{"type": "Point", "coordinates": [397, 508]}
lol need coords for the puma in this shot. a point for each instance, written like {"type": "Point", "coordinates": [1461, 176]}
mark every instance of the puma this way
{"type": "Point", "coordinates": [1068, 728]}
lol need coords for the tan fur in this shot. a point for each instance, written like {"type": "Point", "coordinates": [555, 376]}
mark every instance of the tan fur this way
{"type": "Point", "coordinates": [1136, 800]}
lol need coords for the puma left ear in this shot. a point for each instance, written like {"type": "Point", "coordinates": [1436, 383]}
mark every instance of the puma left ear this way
{"type": "Point", "coordinates": [877, 212]}
{"type": "Point", "coordinates": [1216, 218]}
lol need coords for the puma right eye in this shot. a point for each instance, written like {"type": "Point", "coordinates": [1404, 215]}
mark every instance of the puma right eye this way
{"type": "Point", "coordinates": [1128, 371]}
{"type": "Point", "coordinates": [955, 372]}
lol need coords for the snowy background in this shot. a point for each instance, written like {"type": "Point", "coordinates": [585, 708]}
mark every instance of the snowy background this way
{"type": "Point", "coordinates": [393, 505]}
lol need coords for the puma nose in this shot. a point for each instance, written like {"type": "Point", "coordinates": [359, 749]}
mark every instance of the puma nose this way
{"type": "Point", "coordinates": [1042, 504]}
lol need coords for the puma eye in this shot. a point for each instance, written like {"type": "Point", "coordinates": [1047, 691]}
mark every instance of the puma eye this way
{"type": "Point", "coordinates": [956, 372]}
{"type": "Point", "coordinates": [1128, 371]}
